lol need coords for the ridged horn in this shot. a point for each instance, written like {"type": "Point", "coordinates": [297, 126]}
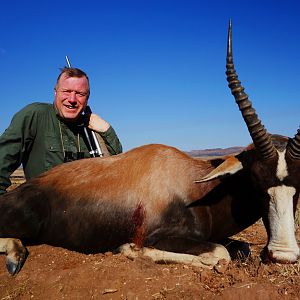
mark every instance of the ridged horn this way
{"type": "Point", "coordinates": [260, 137]}
{"type": "Point", "coordinates": [293, 148]}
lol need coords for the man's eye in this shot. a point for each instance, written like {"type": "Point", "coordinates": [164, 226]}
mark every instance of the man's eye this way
{"type": "Point", "coordinates": [79, 94]}
{"type": "Point", "coordinates": [82, 94]}
{"type": "Point", "coordinates": [66, 92]}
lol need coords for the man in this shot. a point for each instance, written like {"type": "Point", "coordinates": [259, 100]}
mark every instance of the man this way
{"type": "Point", "coordinates": [44, 135]}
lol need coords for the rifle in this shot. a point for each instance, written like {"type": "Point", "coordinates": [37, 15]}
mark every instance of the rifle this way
{"type": "Point", "coordinates": [95, 149]}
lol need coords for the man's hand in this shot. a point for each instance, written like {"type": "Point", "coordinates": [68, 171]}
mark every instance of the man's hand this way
{"type": "Point", "coordinates": [97, 124]}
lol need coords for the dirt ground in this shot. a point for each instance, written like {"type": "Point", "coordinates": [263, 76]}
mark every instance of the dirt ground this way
{"type": "Point", "coordinates": [56, 273]}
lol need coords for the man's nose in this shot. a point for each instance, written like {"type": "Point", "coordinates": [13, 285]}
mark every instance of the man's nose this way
{"type": "Point", "coordinates": [72, 97]}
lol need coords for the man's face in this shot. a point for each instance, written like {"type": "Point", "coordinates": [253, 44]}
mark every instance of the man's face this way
{"type": "Point", "coordinates": [71, 96]}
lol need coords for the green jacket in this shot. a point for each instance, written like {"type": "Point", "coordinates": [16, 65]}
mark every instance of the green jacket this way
{"type": "Point", "coordinates": [37, 139]}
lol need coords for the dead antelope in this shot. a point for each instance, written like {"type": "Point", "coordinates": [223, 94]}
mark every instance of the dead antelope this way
{"type": "Point", "coordinates": [158, 196]}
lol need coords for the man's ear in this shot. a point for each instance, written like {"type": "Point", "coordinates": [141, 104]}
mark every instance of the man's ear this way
{"type": "Point", "coordinates": [229, 167]}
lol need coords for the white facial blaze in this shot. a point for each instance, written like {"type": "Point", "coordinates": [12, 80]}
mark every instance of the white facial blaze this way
{"type": "Point", "coordinates": [282, 240]}
{"type": "Point", "coordinates": [282, 171]}
{"type": "Point", "coordinates": [282, 244]}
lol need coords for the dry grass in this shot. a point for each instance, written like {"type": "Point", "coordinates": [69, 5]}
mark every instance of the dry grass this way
{"type": "Point", "coordinates": [17, 178]}
{"type": "Point", "coordinates": [17, 292]}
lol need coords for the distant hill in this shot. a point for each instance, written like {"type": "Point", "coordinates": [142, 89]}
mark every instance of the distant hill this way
{"type": "Point", "coordinates": [214, 152]}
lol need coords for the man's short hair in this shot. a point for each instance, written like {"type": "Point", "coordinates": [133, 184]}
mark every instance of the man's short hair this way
{"type": "Point", "coordinates": [72, 72]}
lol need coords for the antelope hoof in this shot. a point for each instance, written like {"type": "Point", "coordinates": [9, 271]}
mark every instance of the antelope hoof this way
{"type": "Point", "coordinates": [14, 262]}
{"type": "Point", "coordinates": [15, 257]}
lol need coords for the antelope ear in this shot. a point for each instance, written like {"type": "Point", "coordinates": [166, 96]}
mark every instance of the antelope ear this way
{"type": "Point", "coordinates": [229, 167]}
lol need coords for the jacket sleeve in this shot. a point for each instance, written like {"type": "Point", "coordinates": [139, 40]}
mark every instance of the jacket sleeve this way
{"type": "Point", "coordinates": [112, 141]}
{"type": "Point", "coordinates": [14, 143]}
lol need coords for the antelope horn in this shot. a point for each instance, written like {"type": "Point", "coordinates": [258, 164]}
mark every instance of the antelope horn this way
{"type": "Point", "coordinates": [259, 135]}
{"type": "Point", "coordinates": [293, 148]}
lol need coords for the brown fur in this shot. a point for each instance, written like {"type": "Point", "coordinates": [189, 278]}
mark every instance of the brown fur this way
{"type": "Point", "coordinates": [97, 192]}
{"type": "Point", "coordinates": [148, 195]}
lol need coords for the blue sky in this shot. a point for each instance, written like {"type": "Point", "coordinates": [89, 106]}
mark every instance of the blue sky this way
{"type": "Point", "coordinates": [156, 67]}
